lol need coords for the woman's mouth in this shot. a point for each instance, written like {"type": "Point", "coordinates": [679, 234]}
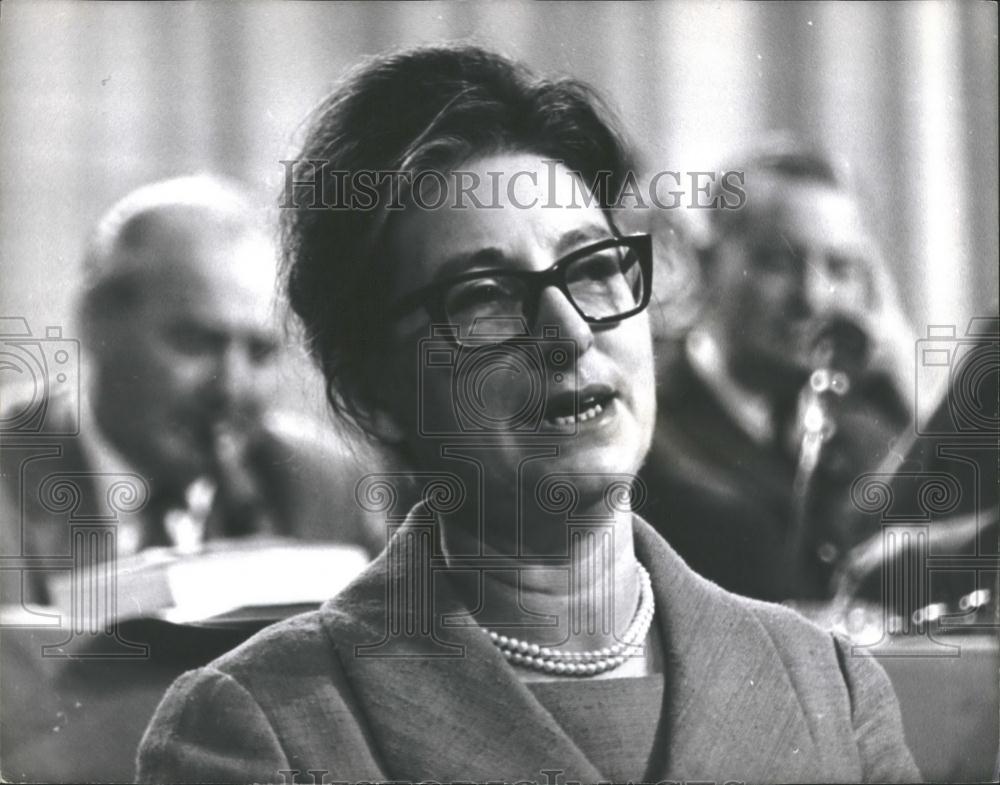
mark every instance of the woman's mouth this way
{"type": "Point", "coordinates": [570, 409]}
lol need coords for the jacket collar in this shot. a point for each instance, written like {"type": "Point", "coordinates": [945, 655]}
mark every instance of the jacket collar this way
{"type": "Point", "coordinates": [441, 703]}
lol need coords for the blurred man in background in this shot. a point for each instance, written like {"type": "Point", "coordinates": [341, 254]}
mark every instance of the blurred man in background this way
{"type": "Point", "coordinates": [181, 341]}
{"type": "Point", "coordinates": [176, 447]}
{"type": "Point", "coordinates": [794, 381]}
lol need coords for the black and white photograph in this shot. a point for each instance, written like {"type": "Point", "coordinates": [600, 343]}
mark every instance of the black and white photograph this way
{"type": "Point", "coordinates": [549, 393]}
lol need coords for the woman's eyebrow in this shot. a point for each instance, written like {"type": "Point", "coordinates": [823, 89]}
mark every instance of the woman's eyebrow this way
{"type": "Point", "coordinates": [492, 256]}
{"type": "Point", "coordinates": [574, 238]}
{"type": "Point", "coordinates": [467, 260]}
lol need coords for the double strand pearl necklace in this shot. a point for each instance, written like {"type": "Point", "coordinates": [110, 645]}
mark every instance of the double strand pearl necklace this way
{"type": "Point", "coordinates": [584, 663]}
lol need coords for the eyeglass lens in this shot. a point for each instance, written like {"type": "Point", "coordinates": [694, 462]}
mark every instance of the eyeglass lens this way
{"type": "Point", "coordinates": [603, 284]}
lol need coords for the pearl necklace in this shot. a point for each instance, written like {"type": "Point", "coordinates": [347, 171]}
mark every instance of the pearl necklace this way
{"type": "Point", "coordinates": [584, 663]}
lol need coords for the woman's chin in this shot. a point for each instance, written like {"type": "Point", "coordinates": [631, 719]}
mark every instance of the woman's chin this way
{"type": "Point", "coordinates": [593, 472]}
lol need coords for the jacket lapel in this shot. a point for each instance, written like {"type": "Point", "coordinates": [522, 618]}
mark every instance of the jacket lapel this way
{"type": "Point", "coordinates": [731, 710]}
{"type": "Point", "coordinates": [439, 700]}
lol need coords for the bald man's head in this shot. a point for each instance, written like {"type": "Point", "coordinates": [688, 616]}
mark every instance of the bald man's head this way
{"type": "Point", "coordinates": [155, 232]}
{"type": "Point", "coordinates": [179, 321]}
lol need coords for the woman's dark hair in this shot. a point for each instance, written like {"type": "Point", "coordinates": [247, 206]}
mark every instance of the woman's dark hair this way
{"type": "Point", "coordinates": [424, 109]}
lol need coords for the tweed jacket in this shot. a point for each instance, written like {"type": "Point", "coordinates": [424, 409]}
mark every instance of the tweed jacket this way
{"type": "Point", "coordinates": [754, 693]}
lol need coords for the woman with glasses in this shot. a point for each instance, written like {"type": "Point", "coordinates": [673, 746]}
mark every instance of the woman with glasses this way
{"type": "Point", "coordinates": [452, 248]}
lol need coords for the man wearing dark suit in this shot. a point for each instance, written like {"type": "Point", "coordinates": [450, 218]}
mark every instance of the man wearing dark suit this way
{"type": "Point", "coordinates": [793, 284]}
{"type": "Point", "coordinates": [173, 442]}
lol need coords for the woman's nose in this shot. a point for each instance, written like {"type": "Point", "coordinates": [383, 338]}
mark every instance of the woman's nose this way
{"type": "Point", "coordinates": [555, 310]}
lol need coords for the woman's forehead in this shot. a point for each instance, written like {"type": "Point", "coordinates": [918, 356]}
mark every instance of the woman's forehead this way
{"type": "Point", "coordinates": [515, 180]}
{"type": "Point", "coordinates": [516, 207]}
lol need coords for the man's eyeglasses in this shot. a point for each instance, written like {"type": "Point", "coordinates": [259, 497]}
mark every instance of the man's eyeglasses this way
{"type": "Point", "coordinates": [606, 282]}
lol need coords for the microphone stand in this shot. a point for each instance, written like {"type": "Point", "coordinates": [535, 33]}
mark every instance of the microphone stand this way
{"type": "Point", "coordinates": [840, 352]}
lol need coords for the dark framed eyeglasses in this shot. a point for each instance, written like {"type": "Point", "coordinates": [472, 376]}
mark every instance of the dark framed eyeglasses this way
{"type": "Point", "coordinates": [606, 282]}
